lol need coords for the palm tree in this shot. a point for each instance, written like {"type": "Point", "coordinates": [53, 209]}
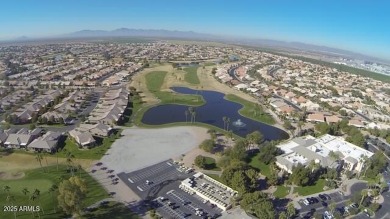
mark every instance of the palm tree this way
{"type": "Point", "coordinates": [52, 190]}
{"type": "Point", "coordinates": [227, 123]}
{"type": "Point", "coordinates": [191, 110]}
{"type": "Point", "coordinates": [79, 168]}
{"type": "Point", "coordinates": [186, 113]}
{"type": "Point", "coordinates": [194, 116]}
{"type": "Point", "coordinates": [364, 194]}
{"type": "Point", "coordinates": [57, 157]}
{"type": "Point", "coordinates": [6, 189]}
{"type": "Point", "coordinates": [230, 134]}
{"type": "Point", "coordinates": [33, 198]}
{"type": "Point", "coordinates": [37, 194]}
{"type": "Point", "coordinates": [25, 191]}
{"type": "Point", "coordinates": [69, 157]}
{"type": "Point", "coordinates": [39, 158]}
{"type": "Point", "coordinates": [367, 163]}
{"type": "Point", "coordinates": [299, 125]}
{"type": "Point", "coordinates": [11, 199]}
{"type": "Point", "coordinates": [224, 122]}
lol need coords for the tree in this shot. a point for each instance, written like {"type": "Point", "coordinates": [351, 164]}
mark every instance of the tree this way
{"type": "Point", "coordinates": [224, 119]}
{"type": "Point", "coordinates": [300, 125]}
{"type": "Point", "coordinates": [32, 126]}
{"type": "Point", "coordinates": [69, 160]}
{"type": "Point", "coordinates": [238, 152]}
{"type": "Point", "coordinates": [11, 199]}
{"type": "Point", "coordinates": [283, 215]}
{"type": "Point", "coordinates": [268, 152]}
{"type": "Point", "coordinates": [200, 161]}
{"type": "Point", "coordinates": [323, 128]}
{"type": "Point", "coordinates": [52, 191]}
{"type": "Point", "coordinates": [207, 145]}
{"type": "Point", "coordinates": [39, 158]}
{"type": "Point", "coordinates": [254, 138]}
{"type": "Point", "coordinates": [72, 193]}
{"type": "Point", "coordinates": [37, 194]}
{"type": "Point", "coordinates": [212, 133]}
{"type": "Point", "coordinates": [364, 194]}
{"type": "Point", "coordinates": [227, 123]}
{"type": "Point", "coordinates": [291, 211]}
{"type": "Point", "coordinates": [6, 189]}
{"type": "Point", "coordinates": [186, 114]}
{"type": "Point", "coordinates": [332, 207]}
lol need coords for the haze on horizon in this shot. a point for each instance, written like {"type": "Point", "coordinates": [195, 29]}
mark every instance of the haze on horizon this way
{"type": "Point", "coordinates": [358, 26]}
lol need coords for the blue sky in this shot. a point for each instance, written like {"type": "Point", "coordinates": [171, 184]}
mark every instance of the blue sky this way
{"type": "Point", "coordinates": [362, 26]}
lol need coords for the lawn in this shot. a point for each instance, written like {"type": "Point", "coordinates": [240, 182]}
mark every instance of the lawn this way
{"type": "Point", "coordinates": [38, 179]}
{"type": "Point", "coordinates": [250, 110]}
{"type": "Point", "coordinates": [112, 210]}
{"type": "Point", "coordinates": [191, 75]}
{"type": "Point", "coordinates": [211, 164]}
{"type": "Point", "coordinates": [308, 190]}
{"type": "Point", "coordinates": [262, 167]}
{"type": "Point", "coordinates": [281, 192]}
{"type": "Point", "coordinates": [154, 81]}
{"type": "Point", "coordinates": [94, 153]}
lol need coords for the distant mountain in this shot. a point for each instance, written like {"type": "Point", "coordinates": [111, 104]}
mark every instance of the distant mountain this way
{"type": "Point", "coordinates": [294, 47]}
{"type": "Point", "coordinates": [122, 32]}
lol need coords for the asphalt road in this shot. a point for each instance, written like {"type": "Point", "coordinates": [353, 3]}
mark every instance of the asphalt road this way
{"type": "Point", "coordinates": [339, 199]}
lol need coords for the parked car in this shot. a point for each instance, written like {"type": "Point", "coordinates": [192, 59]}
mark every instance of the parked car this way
{"type": "Point", "coordinates": [323, 197]}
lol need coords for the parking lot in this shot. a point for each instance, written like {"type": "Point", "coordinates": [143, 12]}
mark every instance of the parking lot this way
{"type": "Point", "coordinates": [179, 204]}
{"type": "Point", "coordinates": [158, 185]}
{"type": "Point", "coordinates": [323, 205]}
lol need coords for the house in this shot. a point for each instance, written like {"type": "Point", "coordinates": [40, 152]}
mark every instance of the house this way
{"type": "Point", "coordinates": [315, 117]}
{"type": "Point", "coordinates": [47, 142]}
{"type": "Point", "coordinates": [286, 109]}
{"type": "Point", "coordinates": [3, 137]}
{"type": "Point", "coordinates": [21, 138]}
{"type": "Point", "coordinates": [98, 130]}
{"type": "Point", "coordinates": [18, 141]}
{"type": "Point", "coordinates": [83, 139]}
{"type": "Point", "coordinates": [332, 119]}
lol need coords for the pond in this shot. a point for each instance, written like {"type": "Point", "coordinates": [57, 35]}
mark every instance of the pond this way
{"type": "Point", "coordinates": [211, 113]}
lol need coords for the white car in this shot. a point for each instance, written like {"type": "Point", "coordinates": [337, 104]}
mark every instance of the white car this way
{"type": "Point", "coordinates": [306, 202]}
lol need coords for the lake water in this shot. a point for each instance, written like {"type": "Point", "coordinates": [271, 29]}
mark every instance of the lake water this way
{"type": "Point", "coordinates": [211, 113]}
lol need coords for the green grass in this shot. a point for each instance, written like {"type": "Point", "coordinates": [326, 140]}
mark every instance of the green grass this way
{"type": "Point", "coordinates": [211, 164]}
{"type": "Point", "coordinates": [37, 179]}
{"type": "Point", "coordinates": [154, 81]}
{"type": "Point", "coordinates": [215, 176]}
{"type": "Point", "coordinates": [262, 167]}
{"type": "Point", "coordinates": [308, 190]}
{"type": "Point", "coordinates": [209, 64]}
{"type": "Point", "coordinates": [94, 153]}
{"type": "Point", "coordinates": [281, 192]}
{"type": "Point", "coordinates": [249, 108]}
{"type": "Point", "coordinates": [191, 76]}
{"type": "Point", "coordinates": [112, 210]}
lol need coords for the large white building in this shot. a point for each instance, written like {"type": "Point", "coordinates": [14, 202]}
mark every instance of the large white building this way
{"type": "Point", "coordinates": [210, 190]}
{"type": "Point", "coordinates": [305, 149]}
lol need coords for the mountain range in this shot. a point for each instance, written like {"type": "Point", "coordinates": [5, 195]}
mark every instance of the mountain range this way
{"type": "Point", "coordinates": [294, 47]}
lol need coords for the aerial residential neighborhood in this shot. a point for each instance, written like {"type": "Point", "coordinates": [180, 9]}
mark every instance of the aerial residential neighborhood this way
{"type": "Point", "coordinates": [194, 109]}
{"type": "Point", "coordinates": [88, 108]}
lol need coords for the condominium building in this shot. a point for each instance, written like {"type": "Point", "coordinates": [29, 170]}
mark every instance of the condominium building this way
{"type": "Point", "coordinates": [306, 149]}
